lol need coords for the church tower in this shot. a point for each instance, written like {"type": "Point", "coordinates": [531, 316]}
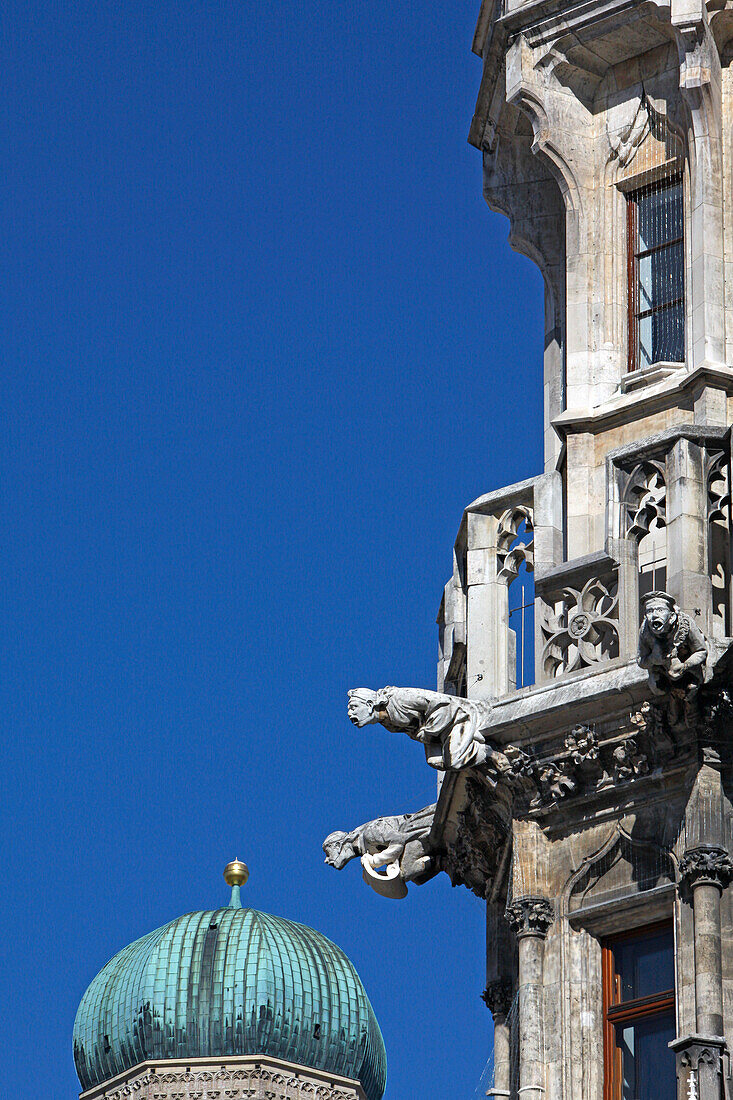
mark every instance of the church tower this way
{"type": "Point", "coordinates": [583, 722]}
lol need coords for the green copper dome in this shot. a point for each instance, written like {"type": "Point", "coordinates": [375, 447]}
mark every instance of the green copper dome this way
{"type": "Point", "coordinates": [230, 981]}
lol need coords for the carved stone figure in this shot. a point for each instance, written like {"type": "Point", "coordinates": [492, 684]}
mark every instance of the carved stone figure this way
{"type": "Point", "coordinates": [399, 844]}
{"type": "Point", "coordinates": [553, 783]}
{"type": "Point", "coordinates": [582, 744]}
{"type": "Point", "coordinates": [448, 727]}
{"type": "Point", "coordinates": [672, 648]}
{"type": "Point", "coordinates": [628, 762]}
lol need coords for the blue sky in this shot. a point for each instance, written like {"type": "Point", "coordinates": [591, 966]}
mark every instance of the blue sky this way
{"type": "Point", "coordinates": [262, 342]}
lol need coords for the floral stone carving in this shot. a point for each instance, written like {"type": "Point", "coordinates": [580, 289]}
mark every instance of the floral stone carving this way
{"type": "Point", "coordinates": [530, 916]}
{"type": "Point", "coordinates": [706, 864]}
{"type": "Point", "coordinates": [498, 996]}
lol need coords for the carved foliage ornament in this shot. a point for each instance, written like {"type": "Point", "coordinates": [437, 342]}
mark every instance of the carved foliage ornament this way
{"type": "Point", "coordinates": [498, 996]}
{"type": "Point", "coordinates": [708, 865]}
{"type": "Point", "coordinates": [530, 916]}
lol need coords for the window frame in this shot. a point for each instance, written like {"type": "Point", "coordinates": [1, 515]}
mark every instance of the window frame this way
{"type": "Point", "coordinates": [632, 265]}
{"type": "Point", "coordinates": [617, 1012]}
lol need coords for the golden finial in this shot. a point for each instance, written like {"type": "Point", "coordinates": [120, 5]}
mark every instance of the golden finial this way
{"type": "Point", "coordinates": [236, 876]}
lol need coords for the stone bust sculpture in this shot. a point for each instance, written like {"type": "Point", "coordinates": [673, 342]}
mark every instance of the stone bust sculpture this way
{"type": "Point", "coordinates": [398, 844]}
{"type": "Point", "coordinates": [672, 648]}
{"type": "Point", "coordinates": [448, 727]}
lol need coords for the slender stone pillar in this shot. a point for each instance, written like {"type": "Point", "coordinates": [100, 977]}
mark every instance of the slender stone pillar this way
{"type": "Point", "coordinates": [706, 871]}
{"type": "Point", "coordinates": [531, 917]}
{"type": "Point", "coordinates": [498, 997]}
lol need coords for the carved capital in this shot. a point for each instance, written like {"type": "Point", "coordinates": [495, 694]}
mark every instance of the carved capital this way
{"type": "Point", "coordinates": [699, 1066]}
{"type": "Point", "coordinates": [498, 996]}
{"type": "Point", "coordinates": [706, 865]}
{"type": "Point", "coordinates": [530, 916]}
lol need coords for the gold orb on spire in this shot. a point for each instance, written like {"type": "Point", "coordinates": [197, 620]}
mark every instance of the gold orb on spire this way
{"type": "Point", "coordinates": [236, 873]}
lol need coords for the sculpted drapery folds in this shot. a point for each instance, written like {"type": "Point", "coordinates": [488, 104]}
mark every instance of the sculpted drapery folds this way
{"type": "Point", "coordinates": [449, 728]}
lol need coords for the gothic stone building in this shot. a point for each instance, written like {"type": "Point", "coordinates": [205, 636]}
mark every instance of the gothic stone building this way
{"type": "Point", "coordinates": [583, 722]}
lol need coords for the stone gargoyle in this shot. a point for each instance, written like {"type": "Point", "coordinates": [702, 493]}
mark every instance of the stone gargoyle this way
{"type": "Point", "coordinates": [672, 648]}
{"type": "Point", "coordinates": [448, 727]}
{"type": "Point", "coordinates": [398, 844]}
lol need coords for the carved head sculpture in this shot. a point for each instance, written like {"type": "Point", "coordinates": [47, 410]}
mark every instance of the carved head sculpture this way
{"type": "Point", "coordinates": [339, 849]}
{"type": "Point", "coordinates": [362, 706]}
{"type": "Point", "coordinates": [660, 613]}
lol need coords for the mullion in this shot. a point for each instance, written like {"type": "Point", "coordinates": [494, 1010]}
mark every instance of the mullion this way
{"type": "Point", "coordinates": [658, 247]}
{"type": "Point", "coordinates": [659, 309]}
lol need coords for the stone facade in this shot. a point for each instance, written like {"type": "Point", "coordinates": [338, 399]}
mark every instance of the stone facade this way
{"type": "Point", "coordinates": [228, 1078]}
{"type": "Point", "coordinates": [597, 800]}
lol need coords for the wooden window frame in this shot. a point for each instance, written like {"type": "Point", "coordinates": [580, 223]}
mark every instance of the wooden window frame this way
{"type": "Point", "coordinates": [632, 265]}
{"type": "Point", "coordinates": [617, 1012]}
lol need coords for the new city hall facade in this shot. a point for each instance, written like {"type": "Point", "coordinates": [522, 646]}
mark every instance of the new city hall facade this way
{"type": "Point", "coordinates": [583, 720]}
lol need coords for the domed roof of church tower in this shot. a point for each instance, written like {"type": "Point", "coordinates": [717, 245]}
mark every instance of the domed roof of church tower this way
{"type": "Point", "coordinates": [224, 982]}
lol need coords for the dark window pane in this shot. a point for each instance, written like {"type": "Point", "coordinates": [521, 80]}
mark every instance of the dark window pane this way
{"type": "Point", "coordinates": [645, 965]}
{"type": "Point", "coordinates": [662, 335]}
{"type": "Point", "coordinates": [661, 276]}
{"type": "Point", "coordinates": [647, 1063]}
{"type": "Point", "coordinates": [659, 273]}
{"type": "Point", "coordinates": [659, 213]}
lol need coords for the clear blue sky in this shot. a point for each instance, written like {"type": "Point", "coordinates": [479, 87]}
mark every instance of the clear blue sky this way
{"type": "Point", "coordinates": [262, 341]}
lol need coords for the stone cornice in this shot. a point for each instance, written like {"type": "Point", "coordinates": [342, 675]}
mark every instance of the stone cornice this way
{"type": "Point", "coordinates": [259, 1074]}
{"type": "Point", "coordinates": [624, 408]}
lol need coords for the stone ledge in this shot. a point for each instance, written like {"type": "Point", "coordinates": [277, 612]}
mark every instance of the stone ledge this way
{"type": "Point", "coordinates": [248, 1075]}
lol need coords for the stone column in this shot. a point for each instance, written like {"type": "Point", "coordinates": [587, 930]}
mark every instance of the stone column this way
{"type": "Point", "coordinates": [487, 611]}
{"type": "Point", "coordinates": [687, 536]}
{"type": "Point", "coordinates": [531, 917]}
{"type": "Point", "coordinates": [498, 997]}
{"type": "Point", "coordinates": [705, 871]}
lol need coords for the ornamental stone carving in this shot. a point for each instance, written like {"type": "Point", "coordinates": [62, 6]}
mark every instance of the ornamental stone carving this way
{"type": "Point", "coordinates": [514, 543]}
{"type": "Point", "coordinates": [399, 845]}
{"type": "Point", "coordinates": [581, 630]}
{"type": "Point", "coordinates": [553, 782]}
{"type": "Point", "coordinates": [255, 1083]}
{"type": "Point", "coordinates": [628, 762]}
{"type": "Point", "coordinates": [482, 835]}
{"type": "Point", "coordinates": [672, 648]}
{"type": "Point", "coordinates": [628, 134]}
{"type": "Point", "coordinates": [498, 996]}
{"type": "Point", "coordinates": [448, 727]}
{"type": "Point", "coordinates": [644, 499]}
{"type": "Point", "coordinates": [530, 916]}
{"type": "Point", "coordinates": [706, 865]}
